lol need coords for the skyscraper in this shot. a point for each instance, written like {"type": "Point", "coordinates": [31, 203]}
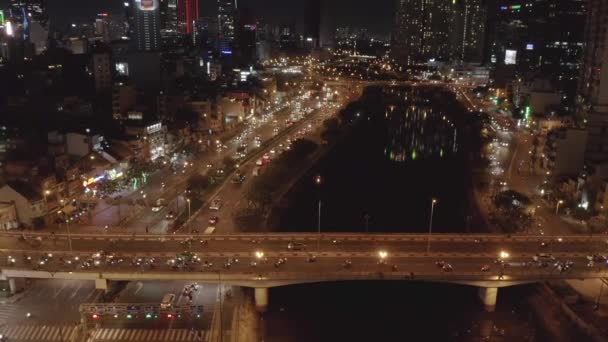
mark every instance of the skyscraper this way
{"type": "Point", "coordinates": [593, 82]}
{"type": "Point", "coordinates": [226, 11]}
{"type": "Point", "coordinates": [188, 14]}
{"type": "Point", "coordinates": [169, 16]}
{"type": "Point", "coordinates": [421, 30]}
{"type": "Point", "coordinates": [468, 30]}
{"type": "Point", "coordinates": [245, 44]}
{"type": "Point", "coordinates": [147, 25]}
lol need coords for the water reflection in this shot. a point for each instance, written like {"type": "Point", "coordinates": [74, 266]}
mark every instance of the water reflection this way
{"type": "Point", "coordinates": [417, 129]}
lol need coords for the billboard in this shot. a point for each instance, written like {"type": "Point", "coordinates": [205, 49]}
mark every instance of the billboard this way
{"type": "Point", "coordinates": [510, 57]}
{"type": "Point", "coordinates": [146, 5]}
{"type": "Point", "coordinates": [1, 18]}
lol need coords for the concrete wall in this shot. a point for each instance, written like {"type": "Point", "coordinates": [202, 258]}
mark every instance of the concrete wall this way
{"type": "Point", "coordinates": [26, 212]}
{"type": "Point", "coordinates": [570, 152]}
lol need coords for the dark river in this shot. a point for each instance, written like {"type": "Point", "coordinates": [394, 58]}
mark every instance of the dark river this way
{"type": "Point", "coordinates": [407, 147]}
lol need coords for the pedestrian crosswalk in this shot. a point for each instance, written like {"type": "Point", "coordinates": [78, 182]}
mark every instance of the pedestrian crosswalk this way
{"type": "Point", "coordinates": [7, 311]}
{"type": "Point", "coordinates": [164, 335]}
{"type": "Point", "coordinates": [18, 333]}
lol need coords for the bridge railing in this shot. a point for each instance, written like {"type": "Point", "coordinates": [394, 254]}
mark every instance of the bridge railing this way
{"type": "Point", "coordinates": [533, 274]}
{"type": "Point", "coordinates": [313, 236]}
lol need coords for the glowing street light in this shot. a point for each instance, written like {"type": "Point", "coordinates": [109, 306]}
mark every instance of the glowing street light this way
{"type": "Point", "coordinates": [382, 255]}
{"type": "Point", "coordinates": [428, 243]}
{"type": "Point", "coordinates": [504, 255]}
{"type": "Point", "coordinates": [560, 202]}
{"type": "Point", "coordinates": [259, 255]}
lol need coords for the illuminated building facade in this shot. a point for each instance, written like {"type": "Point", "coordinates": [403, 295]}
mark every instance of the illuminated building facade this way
{"type": "Point", "coordinates": [147, 25]}
{"type": "Point", "coordinates": [226, 11]}
{"type": "Point", "coordinates": [422, 30]}
{"type": "Point", "coordinates": [188, 14]}
{"type": "Point", "coordinates": [593, 82]}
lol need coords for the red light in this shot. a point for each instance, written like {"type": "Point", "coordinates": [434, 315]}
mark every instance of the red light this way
{"type": "Point", "coordinates": [104, 14]}
{"type": "Point", "coordinates": [169, 316]}
{"type": "Point", "coordinates": [95, 316]}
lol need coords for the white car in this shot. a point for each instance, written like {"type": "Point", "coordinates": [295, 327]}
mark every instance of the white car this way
{"type": "Point", "coordinates": [216, 204]}
{"type": "Point", "coordinates": [156, 208]}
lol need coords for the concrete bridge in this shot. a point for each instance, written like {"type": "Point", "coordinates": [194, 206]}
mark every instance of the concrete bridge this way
{"type": "Point", "coordinates": [263, 261]}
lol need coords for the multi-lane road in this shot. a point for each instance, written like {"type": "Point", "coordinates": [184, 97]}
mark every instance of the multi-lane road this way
{"type": "Point", "coordinates": [203, 257]}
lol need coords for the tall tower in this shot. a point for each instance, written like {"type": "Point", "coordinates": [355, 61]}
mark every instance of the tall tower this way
{"type": "Point", "coordinates": [147, 25]}
{"type": "Point", "coordinates": [168, 15]}
{"type": "Point", "coordinates": [593, 81]}
{"type": "Point", "coordinates": [468, 30]}
{"type": "Point", "coordinates": [421, 30]}
{"type": "Point", "coordinates": [188, 14]}
{"type": "Point", "coordinates": [226, 11]}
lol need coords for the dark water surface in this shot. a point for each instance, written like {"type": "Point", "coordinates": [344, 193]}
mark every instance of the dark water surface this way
{"type": "Point", "coordinates": [409, 146]}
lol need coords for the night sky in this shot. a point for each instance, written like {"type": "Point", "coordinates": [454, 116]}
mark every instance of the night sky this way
{"type": "Point", "coordinates": [375, 15]}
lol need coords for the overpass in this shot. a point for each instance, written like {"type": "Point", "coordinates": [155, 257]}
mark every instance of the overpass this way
{"type": "Point", "coordinates": [262, 261]}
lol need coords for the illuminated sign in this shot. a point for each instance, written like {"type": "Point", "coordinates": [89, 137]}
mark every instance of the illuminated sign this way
{"type": "Point", "coordinates": [9, 29]}
{"type": "Point", "coordinates": [122, 69]}
{"type": "Point", "coordinates": [529, 46]}
{"type": "Point", "coordinates": [1, 18]}
{"type": "Point", "coordinates": [510, 57]}
{"type": "Point", "coordinates": [147, 5]}
{"type": "Point", "coordinates": [92, 180]}
{"type": "Point", "coordinates": [512, 7]}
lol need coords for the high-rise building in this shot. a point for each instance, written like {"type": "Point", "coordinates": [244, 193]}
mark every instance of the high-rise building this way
{"type": "Point", "coordinates": [102, 27]}
{"type": "Point", "coordinates": [245, 44]}
{"type": "Point", "coordinates": [422, 30]}
{"type": "Point", "coordinates": [468, 30]}
{"type": "Point", "coordinates": [226, 11]}
{"type": "Point", "coordinates": [169, 15]}
{"type": "Point", "coordinates": [29, 22]}
{"type": "Point", "coordinates": [188, 14]}
{"type": "Point", "coordinates": [593, 82]}
{"type": "Point", "coordinates": [147, 25]}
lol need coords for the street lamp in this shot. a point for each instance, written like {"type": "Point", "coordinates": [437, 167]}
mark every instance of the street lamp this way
{"type": "Point", "coordinates": [382, 255]}
{"type": "Point", "coordinates": [189, 223]}
{"type": "Point", "coordinates": [504, 255]}
{"type": "Point", "coordinates": [259, 255]}
{"type": "Point", "coordinates": [318, 182]}
{"type": "Point", "coordinates": [560, 202]}
{"type": "Point", "coordinates": [428, 243]}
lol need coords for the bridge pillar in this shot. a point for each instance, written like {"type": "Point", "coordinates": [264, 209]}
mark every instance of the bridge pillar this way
{"type": "Point", "coordinates": [261, 299]}
{"type": "Point", "coordinates": [488, 297]}
{"type": "Point", "coordinates": [101, 284]}
{"type": "Point", "coordinates": [15, 284]}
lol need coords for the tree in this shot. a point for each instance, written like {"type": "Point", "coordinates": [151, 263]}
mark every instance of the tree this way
{"type": "Point", "coordinates": [198, 183]}
{"type": "Point", "coordinates": [331, 129]}
{"type": "Point", "coordinates": [260, 193]}
{"type": "Point", "coordinates": [229, 163]}
{"type": "Point", "coordinates": [248, 219]}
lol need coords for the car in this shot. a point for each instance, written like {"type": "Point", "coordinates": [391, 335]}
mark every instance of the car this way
{"type": "Point", "coordinates": [259, 162]}
{"type": "Point", "coordinates": [156, 208]}
{"type": "Point", "coordinates": [447, 268]}
{"type": "Point", "coordinates": [213, 220]}
{"type": "Point", "coordinates": [167, 301]}
{"type": "Point", "coordinates": [216, 204]}
{"type": "Point", "coordinates": [296, 246]}
{"type": "Point", "coordinates": [543, 257]}
{"type": "Point", "coordinates": [238, 178]}
{"type": "Point", "coordinates": [170, 215]}
{"type": "Point", "coordinates": [596, 258]}
{"type": "Point", "coordinates": [485, 268]}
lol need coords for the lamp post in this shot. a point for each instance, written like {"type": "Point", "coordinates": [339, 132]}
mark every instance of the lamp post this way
{"type": "Point", "coordinates": [366, 217]}
{"type": "Point", "coordinates": [67, 226]}
{"type": "Point", "coordinates": [428, 243]}
{"type": "Point", "coordinates": [318, 182]}
{"type": "Point", "coordinates": [560, 202]}
{"type": "Point", "coordinates": [189, 224]}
